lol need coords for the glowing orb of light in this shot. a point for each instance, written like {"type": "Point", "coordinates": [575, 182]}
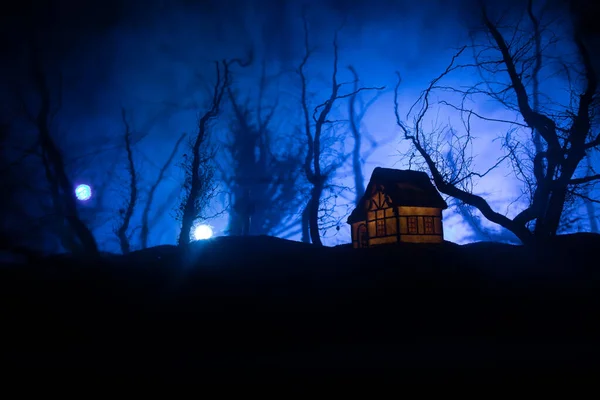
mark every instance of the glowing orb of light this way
{"type": "Point", "coordinates": [203, 232]}
{"type": "Point", "coordinates": [83, 192]}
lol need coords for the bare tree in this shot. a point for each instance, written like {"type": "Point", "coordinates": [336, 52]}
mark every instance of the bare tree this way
{"type": "Point", "coordinates": [62, 190]}
{"type": "Point", "coordinates": [20, 231]}
{"type": "Point", "coordinates": [548, 170]}
{"type": "Point", "coordinates": [262, 169]}
{"type": "Point", "coordinates": [199, 187]}
{"type": "Point", "coordinates": [145, 229]}
{"type": "Point", "coordinates": [127, 212]}
{"type": "Point", "coordinates": [317, 170]}
{"type": "Point", "coordinates": [473, 221]}
{"type": "Point", "coordinates": [589, 202]}
{"type": "Point", "coordinates": [356, 112]}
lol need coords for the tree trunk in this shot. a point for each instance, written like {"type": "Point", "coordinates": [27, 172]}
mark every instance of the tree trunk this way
{"type": "Point", "coordinates": [541, 201]}
{"type": "Point", "coordinates": [84, 234]}
{"type": "Point", "coordinates": [145, 230]}
{"type": "Point", "coordinates": [122, 230]}
{"type": "Point", "coordinates": [589, 206]}
{"type": "Point", "coordinates": [591, 212]}
{"type": "Point", "coordinates": [190, 212]}
{"type": "Point", "coordinates": [197, 187]}
{"type": "Point", "coordinates": [305, 225]}
{"type": "Point", "coordinates": [359, 180]}
{"type": "Point", "coordinates": [555, 209]}
{"type": "Point", "coordinates": [313, 214]}
{"type": "Point", "coordinates": [186, 228]}
{"type": "Point", "coordinates": [124, 242]}
{"type": "Point", "coordinates": [56, 162]}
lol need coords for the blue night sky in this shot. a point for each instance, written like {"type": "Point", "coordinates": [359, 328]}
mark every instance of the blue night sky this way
{"type": "Point", "coordinates": [155, 59]}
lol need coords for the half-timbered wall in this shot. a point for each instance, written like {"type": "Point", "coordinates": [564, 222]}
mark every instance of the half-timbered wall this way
{"type": "Point", "coordinates": [385, 224]}
{"type": "Point", "coordinates": [382, 224]}
{"type": "Point", "coordinates": [420, 224]}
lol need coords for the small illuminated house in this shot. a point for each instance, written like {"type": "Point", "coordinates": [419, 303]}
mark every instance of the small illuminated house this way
{"type": "Point", "coordinates": [398, 206]}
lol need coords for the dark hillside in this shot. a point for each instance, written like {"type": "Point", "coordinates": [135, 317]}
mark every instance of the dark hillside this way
{"type": "Point", "coordinates": [262, 301]}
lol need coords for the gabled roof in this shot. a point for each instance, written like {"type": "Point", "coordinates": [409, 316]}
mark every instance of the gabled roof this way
{"type": "Point", "coordinates": [403, 187]}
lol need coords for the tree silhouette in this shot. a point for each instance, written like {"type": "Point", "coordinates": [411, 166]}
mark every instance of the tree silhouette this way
{"type": "Point", "coordinates": [126, 213]}
{"type": "Point", "coordinates": [589, 202]}
{"type": "Point", "coordinates": [199, 186]}
{"type": "Point", "coordinates": [474, 222]}
{"type": "Point", "coordinates": [76, 235]}
{"type": "Point", "coordinates": [320, 165]}
{"type": "Point", "coordinates": [356, 112]}
{"type": "Point", "coordinates": [146, 220]}
{"type": "Point", "coordinates": [20, 231]}
{"type": "Point", "coordinates": [263, 169]}
{"type": "Point", "coordinates": [549, 170]}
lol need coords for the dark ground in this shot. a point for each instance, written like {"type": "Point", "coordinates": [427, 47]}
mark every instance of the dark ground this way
{"type": "Point", "coordinates": [262, 302]}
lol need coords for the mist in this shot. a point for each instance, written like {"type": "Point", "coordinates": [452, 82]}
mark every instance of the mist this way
{"type": "Point", "coordinates": [155, 59]}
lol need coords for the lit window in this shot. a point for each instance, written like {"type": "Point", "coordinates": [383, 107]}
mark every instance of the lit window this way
{"type": "Point", "coordinates": [363, 238]}
{"type": "Point", "coordinates": [380, 227]}
{"type": "Point", "coordinates": [428, 222]}
{"type": "Point", "coordinates": [412, 226]}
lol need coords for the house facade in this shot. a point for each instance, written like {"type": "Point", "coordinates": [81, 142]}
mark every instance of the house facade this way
{"type": "Point", "coordinates": [398, 206]}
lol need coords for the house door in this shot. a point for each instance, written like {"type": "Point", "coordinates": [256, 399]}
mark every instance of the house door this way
{"type": "Point", "coordinates": [363, 236]}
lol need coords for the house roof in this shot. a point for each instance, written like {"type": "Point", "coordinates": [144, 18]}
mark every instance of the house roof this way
{"type": "Point", "coordinates": [403, 187]}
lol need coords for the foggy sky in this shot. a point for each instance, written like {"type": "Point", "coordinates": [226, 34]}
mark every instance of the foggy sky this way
{"type": "Point", "coordinates": [152, 57]}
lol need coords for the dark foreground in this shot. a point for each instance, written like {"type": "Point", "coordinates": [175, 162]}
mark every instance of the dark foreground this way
{"type": "Point", "coordinates": [264, 302]}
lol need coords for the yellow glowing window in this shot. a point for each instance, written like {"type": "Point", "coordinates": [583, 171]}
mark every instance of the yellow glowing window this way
{"type": "Point", "coordinates": [412, 226]}
{"type": "Point", "coordinates": [380, 227]}
{"type": "Point", "coordinates": [428, 223]}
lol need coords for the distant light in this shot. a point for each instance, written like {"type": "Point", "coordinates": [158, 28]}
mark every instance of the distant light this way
{"type": "Point", "coordinates": [83, 192]}
{"type": "Point", "coordinates": [203, 232]}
